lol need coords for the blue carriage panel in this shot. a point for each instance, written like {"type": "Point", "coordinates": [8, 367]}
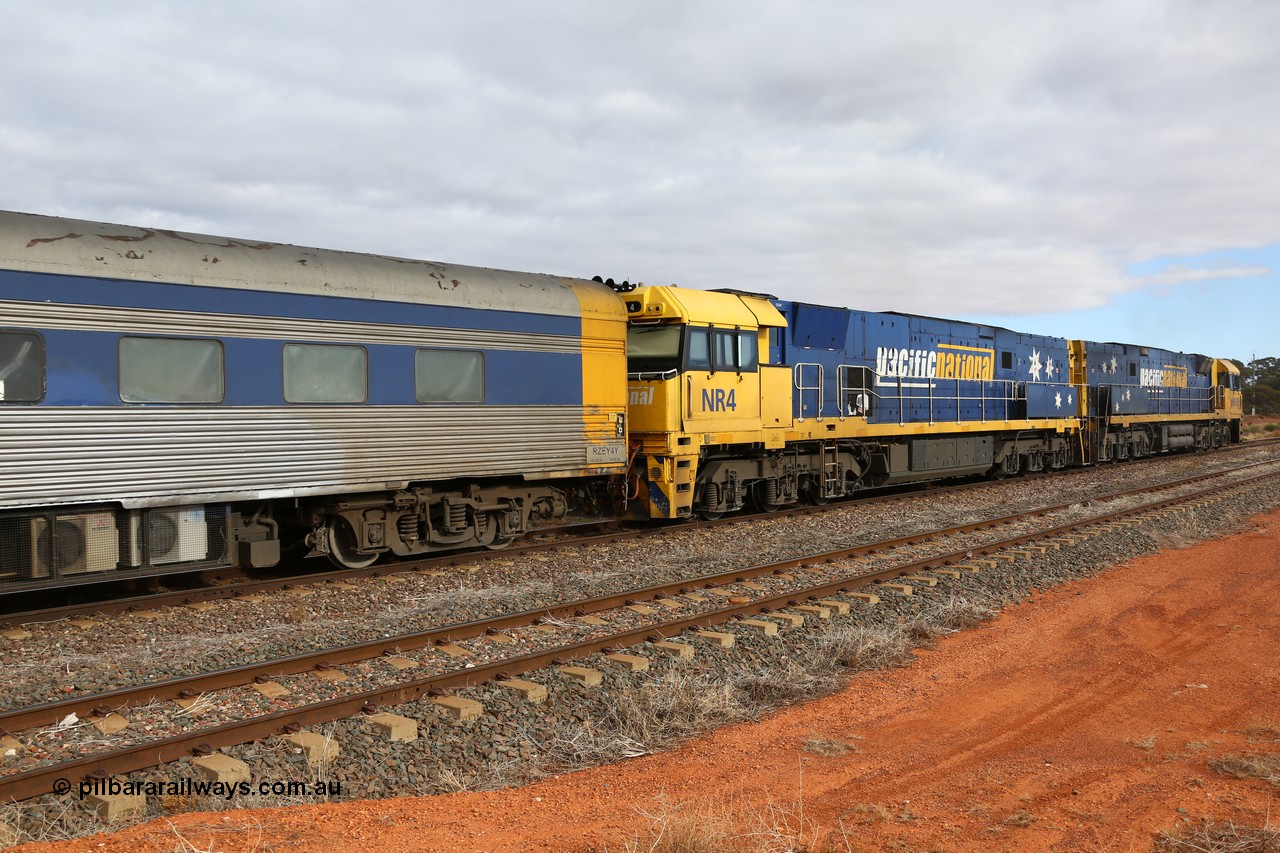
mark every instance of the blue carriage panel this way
{"type": "Point", "coordinates": [82, 368]}
{"type": "Point", "coordinates": [165, 296]}
{"type": "Point", "coordinates": [514, 378]}
{"type": "Point", "coordinates": [254, 372]}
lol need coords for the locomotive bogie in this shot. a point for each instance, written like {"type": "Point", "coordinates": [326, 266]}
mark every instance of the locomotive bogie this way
{"type": "Point", "coordinates": [356, 530]}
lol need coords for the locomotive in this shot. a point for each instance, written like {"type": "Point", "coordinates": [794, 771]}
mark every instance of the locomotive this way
{"type": "Point", "coordinates": [738, 398]}
{"type": "Point", "coordinates": [174, 401]}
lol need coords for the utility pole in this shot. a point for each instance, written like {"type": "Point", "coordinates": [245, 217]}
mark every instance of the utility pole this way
{"type": "Point", "coordinates": [1254, 409]}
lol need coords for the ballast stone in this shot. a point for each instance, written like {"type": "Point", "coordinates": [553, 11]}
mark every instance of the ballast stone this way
{"type": "Point", "coordinates": [111, 724]}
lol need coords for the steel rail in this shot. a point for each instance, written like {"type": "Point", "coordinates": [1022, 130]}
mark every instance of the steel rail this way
{"type": "Point", "coordinates": [186, 686]}
{"type": "Point", "coordinates": [50, 713]}
{"type": "Point", "coordinates": [332, 574]}
{"type": "Point", "coordinates": [39, 780]}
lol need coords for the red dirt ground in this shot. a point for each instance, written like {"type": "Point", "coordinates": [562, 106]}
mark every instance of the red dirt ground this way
{"type": "Point", "coordinates": [1083, 720]}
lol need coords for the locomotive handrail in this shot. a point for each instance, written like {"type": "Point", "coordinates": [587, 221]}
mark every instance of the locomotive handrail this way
{"type": "Point", "coordinates": [798, 380]}
{"type": "Point", "coordinates": [651, 375]}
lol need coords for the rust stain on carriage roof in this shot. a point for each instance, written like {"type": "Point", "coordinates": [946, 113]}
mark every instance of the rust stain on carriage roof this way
{"type": "Point", "coordinates": [231, 243]}
{"type": "Point", "coordinates": [72, 236]}
{"type": "Point", "coordinates": [148, 233]}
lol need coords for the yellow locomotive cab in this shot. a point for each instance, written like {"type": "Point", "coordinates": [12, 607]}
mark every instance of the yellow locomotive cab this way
{"type": "Point", "coordinates": [695, 378]}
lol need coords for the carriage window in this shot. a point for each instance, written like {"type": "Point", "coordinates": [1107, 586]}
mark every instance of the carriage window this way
{"type": "Point", "coordinates": [323, 373]}
{"type": "Point", "coordinates": [448, 376]}
{"type": "Point", "coordinates": [21, 367]}
{"type": "Point", "coordinates": [170, 370]}
{"type": "Point", "coordinates": [1006, 360]}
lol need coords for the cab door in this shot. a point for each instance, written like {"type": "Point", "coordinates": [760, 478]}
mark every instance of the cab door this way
{"type": "Point", "coordinates": [721, 380]}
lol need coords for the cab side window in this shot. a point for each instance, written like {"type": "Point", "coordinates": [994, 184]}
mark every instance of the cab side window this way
{"type": "Point", "coordinates": [697, 353]}
{"type": "Point", "coordinates": [725, 350]}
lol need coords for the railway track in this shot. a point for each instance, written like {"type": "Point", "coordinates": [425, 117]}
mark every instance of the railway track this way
{"type": "Point", "coordinates": [777, 590]}
{"type": "Point", "coordinates": [12, 604]}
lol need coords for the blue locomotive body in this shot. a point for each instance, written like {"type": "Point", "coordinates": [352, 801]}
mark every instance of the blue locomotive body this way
{"type": "Point", "coordinates": [906, 369]}
{"type": "Point", "coordinates": [1125, 379]}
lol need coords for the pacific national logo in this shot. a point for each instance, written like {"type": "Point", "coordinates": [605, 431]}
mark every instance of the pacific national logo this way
{"type": "Point", "coordinates": [1171, 376]}
{"type": "Point", "coordinates": [949, 361]}
{"type": "Point", "coordinates": [640, 395]}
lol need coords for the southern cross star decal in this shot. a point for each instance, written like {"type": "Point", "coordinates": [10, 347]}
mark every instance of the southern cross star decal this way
{"type": "Point", "coordinates": [1115, 365]}
{"type": "Point", "coordinates": [1057, 400]}
{"type": "Point", "coordinates": [1048, 369]}
{"type": "Point", "coordinates": [1035, 365]}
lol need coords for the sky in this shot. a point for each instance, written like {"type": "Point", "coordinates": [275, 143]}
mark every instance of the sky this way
{"type": "Point", "coordinates": [1098, 170]}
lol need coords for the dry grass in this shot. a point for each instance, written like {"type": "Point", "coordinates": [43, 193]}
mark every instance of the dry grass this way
{"type": "Point", "coordinates": [1145, 744]}
{"type": "Point", "coordinates": [680, 703]}
{"type": "Point", "coordinates": [16, 815]}
{"type": "Point", "coordinates": [830, 747]}
{"type": "Point", "coordinates": [869, 813]}
{"type": "Point", "coordinates": [1253, 766]}
{"type": "Point", "coordinates": [1219, 838]}
{"type": "Point", "coordinates": [1265, 730]}
{"type": "Point", "coordinates": [686, 828]}
{"type": "Point", "coordinates": [1020, 819]}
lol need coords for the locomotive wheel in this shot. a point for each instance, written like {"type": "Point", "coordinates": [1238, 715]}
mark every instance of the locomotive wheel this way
{"type": "Point", "coordinates": [342, 545]}
{"type": "Point", "coordinates": [496, 542]}
{"type": "Point", "coordinates": [758, 502]}
{"type": "Point", "coordinates": [811, 490]}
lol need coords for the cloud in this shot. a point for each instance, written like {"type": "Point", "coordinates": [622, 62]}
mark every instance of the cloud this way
{"type": "Point", "coordinates": [1178, 274]}
{"type": "Point", "coordinates": [929, 156]}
